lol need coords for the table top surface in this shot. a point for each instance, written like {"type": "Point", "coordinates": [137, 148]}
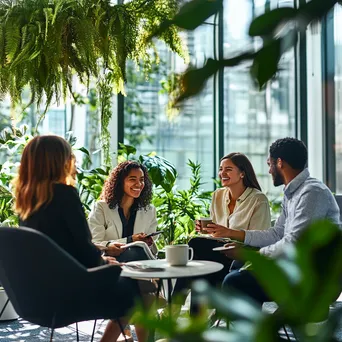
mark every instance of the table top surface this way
{"type": "Point", "coordinates": [165, 271]}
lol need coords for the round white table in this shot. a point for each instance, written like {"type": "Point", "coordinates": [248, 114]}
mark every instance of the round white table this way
{"type": "Point", "coordinates": [194, 268]}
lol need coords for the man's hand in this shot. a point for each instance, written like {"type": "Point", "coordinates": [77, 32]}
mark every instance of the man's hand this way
{"type": "Point", "coordinates": [233, 253]}
{"type": "Point", "coordinates": [114, 249]}
{"type": "Point", "coordinates": [216, 230]}
{"type": "Point", "coordinates": [139, 237]}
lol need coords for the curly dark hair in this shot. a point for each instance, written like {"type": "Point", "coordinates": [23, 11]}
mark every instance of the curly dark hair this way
{"type": "Point", "coordinates": [292, 151]}
{"type": "Point", "coordinates": [113, 191]}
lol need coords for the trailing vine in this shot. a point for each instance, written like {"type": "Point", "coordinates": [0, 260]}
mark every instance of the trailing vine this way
{"type": "Point", "coordinates": [44, 44]}
{"type": "Point", "coordinates": [105, 100]}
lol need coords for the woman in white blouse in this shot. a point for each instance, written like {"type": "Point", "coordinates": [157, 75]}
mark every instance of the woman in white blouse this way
{"type": "Point", "coordinates": [124, 213]}
{"type": "Point", "coordinates": [239, 204]}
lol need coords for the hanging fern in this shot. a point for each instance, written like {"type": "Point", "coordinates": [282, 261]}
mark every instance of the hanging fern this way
{"type": "Point", "coordinates": [45, 43]}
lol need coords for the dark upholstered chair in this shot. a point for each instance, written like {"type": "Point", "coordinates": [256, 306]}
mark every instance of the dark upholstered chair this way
{"type": "Point", "coordinates": [339, 202]}
{"type": "Point", "coordinates": [47, 286]}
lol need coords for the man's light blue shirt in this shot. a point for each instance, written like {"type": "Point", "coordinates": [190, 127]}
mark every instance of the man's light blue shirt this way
{"type": "Point", "coordinates": [306, 199]}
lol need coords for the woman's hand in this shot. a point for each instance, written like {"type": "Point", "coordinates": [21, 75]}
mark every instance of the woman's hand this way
{"type": "Point", "coordinates": [111, 260]}
{"type": "Point", "coordinates": [148, 241]}
{"type": "Point", "coordinates": [114, 249]}
{"type": "Point", "coordinates": [139, 237]}
{"type": "Point", "coordinates": [216, 230]}
{"type": "Point", "coordinates": [198, 226]}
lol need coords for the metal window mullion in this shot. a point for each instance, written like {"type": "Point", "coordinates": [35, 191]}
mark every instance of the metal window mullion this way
{"type": "Point", "coordinates": [219, 98]}
{"type": "Point", "coordinates": [328, 89]}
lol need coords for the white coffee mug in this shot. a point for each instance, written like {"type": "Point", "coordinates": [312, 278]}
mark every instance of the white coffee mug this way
{"type": "Point", "coordinates": [178, 255]}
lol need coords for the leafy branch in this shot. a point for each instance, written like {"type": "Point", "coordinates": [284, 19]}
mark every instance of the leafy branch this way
{"type": "Point", "coordinates": [277, 28]}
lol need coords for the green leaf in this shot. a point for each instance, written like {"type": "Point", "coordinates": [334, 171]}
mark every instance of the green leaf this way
{"type": "Point", "coordinates": [229, 304]}
{"type": "Point", "coordinates": [193, 81]}
{"type": "Point", "coordinates": [84, 150]}
{"type": "Point", "coordinates": [266, 23]}
{"type": "Point", "coordinates": [191, 15]}
{"type": "Point", "coordinates": [161, 171]}
{"type": "Point", "coordinates": [280, 288]}
{"type": "Point", "coordinates": [97, 188]}
{"type": "Point", "coordinates": [314, 9]}
{"type": "Point", "coordinates": [126, 149]}
{"type": "Point", "coordinates": [265, 64]}
{"type": "Point", "coordinates": [319, 256]}
{"type": "Point", "coordinates": [5, 192]}
{"type": "Point", "coordinates": [100, 171]}
{"type": "Point", "coordinates": [85, 182]}
{"type": "Point", "coordinates": [195, 12]}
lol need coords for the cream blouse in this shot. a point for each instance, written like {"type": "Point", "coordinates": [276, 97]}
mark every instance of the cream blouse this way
{"type": "Point", "coordinates": [251, 212]}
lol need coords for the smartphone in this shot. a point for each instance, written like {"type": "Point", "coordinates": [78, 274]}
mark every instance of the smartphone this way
{"type": "Point", "coordinates": [223, 248]}
{"type": "Point", "coordinates": [153, 234]}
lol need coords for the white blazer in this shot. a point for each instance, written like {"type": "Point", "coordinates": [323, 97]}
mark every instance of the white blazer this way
{"type": "Point", "coordinates": [106, 226]}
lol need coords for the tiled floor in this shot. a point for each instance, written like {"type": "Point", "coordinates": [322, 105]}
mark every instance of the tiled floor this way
{"type": "Point", "coordinates": [22, 331]}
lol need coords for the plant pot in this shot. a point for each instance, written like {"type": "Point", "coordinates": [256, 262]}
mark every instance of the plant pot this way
{"type": "Point", "coordinates": [9, 313]}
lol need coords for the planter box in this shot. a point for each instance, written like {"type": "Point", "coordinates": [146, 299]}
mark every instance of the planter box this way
{"type": "Point", "coordinates": [9, 312]}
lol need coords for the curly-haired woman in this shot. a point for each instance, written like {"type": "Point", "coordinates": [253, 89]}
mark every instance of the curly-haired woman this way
{"type": "Point", "coordinates": [124, 213]}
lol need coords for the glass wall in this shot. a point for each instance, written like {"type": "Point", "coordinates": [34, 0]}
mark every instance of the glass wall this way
{"type": "Point", "coordinates": [188, 134]}
{"type": "Point", "coordinates": [338, 96]}
{"type": "Point", "coordinates": [253, 119]}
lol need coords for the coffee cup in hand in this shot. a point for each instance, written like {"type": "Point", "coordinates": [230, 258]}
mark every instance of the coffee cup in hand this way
{"type": "Point", "coordinates": [178, 255]}
{"type": "Point", "coordinates": [204, 221]}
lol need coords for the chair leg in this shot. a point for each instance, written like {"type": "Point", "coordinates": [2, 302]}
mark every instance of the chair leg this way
{"type": "Point", "coordinates": [51, 336]}
{"type": "Point", "coordinates": [122, 330]}
{"type": "Point", "coordinates": [4, 308]}
{"type": "Point", "coordinates": [93, 334]}
{"type": "Point", "coordinates": [287, 335]}
{"type": "Point", "coordinates": [217, 324]}
{"type": "Point", "coordinates": [77, 337]}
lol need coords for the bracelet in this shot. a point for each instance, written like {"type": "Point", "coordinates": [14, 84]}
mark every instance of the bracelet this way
{"type": "Point", "coordinates": [108, 243]}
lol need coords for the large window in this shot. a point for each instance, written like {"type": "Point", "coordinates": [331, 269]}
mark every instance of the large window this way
{"type": "Point", "coordinates": [332, 95]}
{"type": "Point", "coordinates": [187, 135]}
{"type": "Point", "coordinates": [338, 96]}
{"type": "Point", "coordinates": [230, 112]}
{"type": "Point", "coordinates": [253, 119]}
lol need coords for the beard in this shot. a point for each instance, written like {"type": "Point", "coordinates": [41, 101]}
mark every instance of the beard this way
{"type": "Point", "coordinates": [277, 178]}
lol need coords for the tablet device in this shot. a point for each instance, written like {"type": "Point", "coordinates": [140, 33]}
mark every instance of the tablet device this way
{"type": "Point", "coordinates": [219, 249]}
{"type": "Point", "coordinates": [143, 268]}
{"type": "Point", "coordinates": [153, 234]}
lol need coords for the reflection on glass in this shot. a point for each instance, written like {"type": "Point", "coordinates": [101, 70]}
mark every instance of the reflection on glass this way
{"type": "Point", "coordinates": [188, 135]}
{"type": "Point", "coordinates": [338, 95]}
{"type": "Point", "coordinates": [254, 119]}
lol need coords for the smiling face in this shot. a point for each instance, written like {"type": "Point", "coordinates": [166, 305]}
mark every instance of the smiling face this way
{"type": "Point", "coordinates": [229, 173]}
{"type": "Point", "coordinates": [134, 183]}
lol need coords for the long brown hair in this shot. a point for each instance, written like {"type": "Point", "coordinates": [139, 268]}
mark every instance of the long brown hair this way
{"type": "Point", "coordinates": [244, 165]}
{"type": "Point", "coordinates": [46, 160]}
